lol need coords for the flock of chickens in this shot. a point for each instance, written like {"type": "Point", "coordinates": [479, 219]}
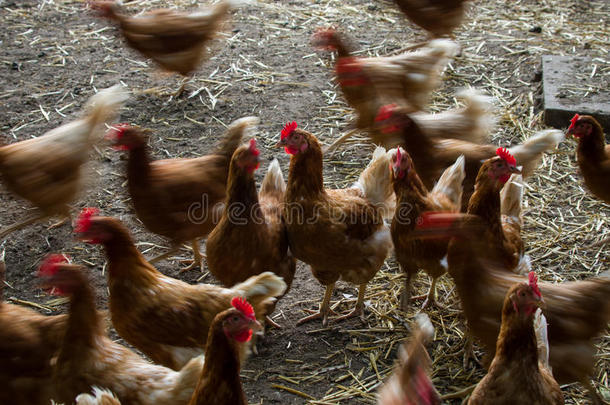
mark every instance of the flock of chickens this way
{"type": "Point", "coordinates": [441, 198]}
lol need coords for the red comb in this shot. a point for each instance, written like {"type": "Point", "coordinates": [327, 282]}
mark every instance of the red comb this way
{"type": "Point", "coordinates": [244, 307]}
{"type": "Point", "coordinates": [49, 265]}
{"type": "Point", "coordinates": [385, 112]}
{"type": "Point", "coordinates": [398, 156]}
{"type": "Point", "coordinates": [533, 280]}
{"type": "Point", "coordinates": [506, 156]}
{"type": "Point", "coordinates": [253, 148]}
{"type": "Point", "coordinates": [84, 219]}
{"type": "Point", "coordinates": [288, 129]}
{"type": "Point", "coordinates": [573, 121]}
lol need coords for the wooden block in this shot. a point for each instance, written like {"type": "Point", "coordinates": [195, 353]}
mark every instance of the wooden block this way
{"type": "Point", "coordinates": [562, 76]}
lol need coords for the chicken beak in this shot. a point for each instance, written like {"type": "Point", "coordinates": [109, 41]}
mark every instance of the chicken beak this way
{"type": "Point", "coordinates": [281, 143]}
{"type": "Point", "coordinates": [256, 325]}
{"type": "Point", "coordinates": [515, 169]}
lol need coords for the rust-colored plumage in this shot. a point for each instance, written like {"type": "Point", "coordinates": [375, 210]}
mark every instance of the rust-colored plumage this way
{"type": "Point", "coordinates": [432, 155]}
{"type": "Point", "coordinates": [413, 198]}
{"type": "Point", "coordinates": [438, 17]}
{"type": "Point", "coordinates": [516, 376]}
{"type": "Point", "coordinates": [47, 170]}
{"type": "Point", "coordinates": [219, 382]}
{"type": "Point", "coordinates": [250, 237]}
{"type": "Point", "coordinates": [175, 40]}
{"type": "Point", "coordinates": [406, 79]}
{"type": "Point", "coordinates": [339, 233]}
{"type": "Point", "coordinates": [166, 318]}
{"type": "Point", "coordinates": [28, 342]}
{"type": "Point", "coordinates": [577, 312]}
{"type": "Point", "coordinates": [503, 232]}
{"type": "Point", "coordinates": [181, 199]}
{"type": "Point", "coordinates": [89, 358]}
{"type": "Point", "coordinates": [593, 156]}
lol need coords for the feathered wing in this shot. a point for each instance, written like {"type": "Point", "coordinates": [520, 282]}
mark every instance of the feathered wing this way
{"type": "Point", "coordinates": [473, 122]}
{"type": "Point", "coordinates": [511, 199]}
{"type": "Point", "coordinates": [411, 75]}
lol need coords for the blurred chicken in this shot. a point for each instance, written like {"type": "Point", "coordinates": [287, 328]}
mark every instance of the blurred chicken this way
{"type": "Point", "coordinates": [250, 238]}
{"type": "Point", "coordinates": [577, 312]}
{"type": "Point", "coordinates": [413, 198]}
{"type": "Point", "coordinates": [166, 318]}
{"type": "Point", "coordinates": [46, 170]}
{"type": "Point", "coordinates": [181, 199]}
{"type": "Point", "coordinates": [593, 155]}
{"type": "Point", "coordinates": [99, 397]}
{"type": "Point", "coordinates": [339, 233]}
{"type": "Point", "coordinates": [516, 376]}
{"type": "Point", "coordinates": [28, 342]}
{"type": "Point", "coordinates": [219, 382]}
{"type": "Point", "coordinates": [473, 122]}
{"type": "Point", "coordinates": [497, 201]}
{"type": "Point", "coordinates": [407, 79]}
{"type": "Point", "coordinates": [411, 384]}
{"type": "Point", "coordinates": [175, 40]}
{"type": "Point", "coordinates": [438, 17]}
{"type": "Point", "coordinates": [432, 155]}
{"type": "Point", "coordinates": [89, 358]}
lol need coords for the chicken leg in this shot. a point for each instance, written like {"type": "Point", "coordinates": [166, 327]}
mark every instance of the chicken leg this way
{"type": "Point", "coordinates": [358, 309]}
{"type": "Point", "coordinates": [324, 308]}
{"type": "Point", "coordinates": [197, 260]}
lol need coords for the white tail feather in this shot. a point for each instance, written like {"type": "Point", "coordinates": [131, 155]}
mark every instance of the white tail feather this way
{"type": "Point", "coordinates": [542, 339]}
{"type": "Point", "coordinates": [511, 197]}
{"type": "Point", "coordinates": [376, 183]}
{"type": "Point", "coordinates": [529, 153]}
{"type": "Point", "coordinates": [450, 182]}
{"type": "Point", "coordinates": [100, 397]}
{"type": "Point", "coordinates": [274, 179]}
{"type": "Point", "coordinates": [102, 106]}
{"type": "Point", "coordinates": [264, 284]}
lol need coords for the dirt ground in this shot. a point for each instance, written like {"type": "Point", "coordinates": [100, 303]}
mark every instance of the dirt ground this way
{"type": "Point", "coordinates": [55, 54]}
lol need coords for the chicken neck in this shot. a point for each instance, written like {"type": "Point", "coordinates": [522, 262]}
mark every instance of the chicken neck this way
{"type": "Point", "coordinates": [485, 202]}
{"type": "Point", "coordinates": [221, 369]}
{"type": "Point", "coordinates": [138, 165]}
{"type": "Point", "coordinates": [83, 324]}
{"type": "Point", "coordinates": [516, 343]}
{"type": "Point", "coordinates": [241, 192]}
{"type": "Point", "coordinates": [305, 175]}
{"type": "Point", "coordinates": [411, 196]}
{"type": "Point", "coordinates": [591, 148]}
{"type": "Point", "coordinates": [123, 256]}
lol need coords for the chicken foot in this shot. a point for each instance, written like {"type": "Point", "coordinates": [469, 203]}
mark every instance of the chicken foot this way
{"type": "Point", "coordinates": [430, 298]}
{"type": "Point", "coordinates": [27, 221]}
{"type": "Point", "coordinates": [324, 308]}
{"type": "Point", "coordinates": [358, 309]}
{"type": "Point", "coordinates": [197, 260]}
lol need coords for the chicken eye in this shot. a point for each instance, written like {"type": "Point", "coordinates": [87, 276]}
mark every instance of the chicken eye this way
{"type": "Point", "coordinates": [235, 318]}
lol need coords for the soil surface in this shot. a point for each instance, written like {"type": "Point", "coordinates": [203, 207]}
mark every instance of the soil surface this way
{"type": "Point", "coordinates": [56, 54]}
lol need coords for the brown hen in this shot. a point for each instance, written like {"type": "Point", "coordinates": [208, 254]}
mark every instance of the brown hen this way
{"type": "Point", "coordinates": [165, 318]}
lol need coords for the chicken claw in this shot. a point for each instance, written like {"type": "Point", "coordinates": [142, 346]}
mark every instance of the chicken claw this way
{"type": "Point", "coordinates": [324, 308]}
